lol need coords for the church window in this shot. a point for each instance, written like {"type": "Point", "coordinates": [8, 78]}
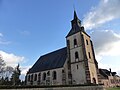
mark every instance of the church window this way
{"type": "Point", "coordinates": [77, 67]}
{"type": "Point", "coordinates": [76, 55]}
{"type": "Point", "coordinates": [28, 77]}
{"type": "Point", "coordinates": [44, 76]}
{"type": "Point", "coordinates": [39, 76]}
{"type": "Point", "coordinates": [48, 73]}
{"type": "Point", "coordinates": [63, 71]}
{"type": "Point", "coordinates": [35, 77]}
{"type": "Point", "coordinates": [54, 75]}
{"type": "Point", "coordinates": [94, 80]}
{"type": "Point", "coordinates": [89, 55]}
{"type": "Point", "coordinates": [32, 77]}
{"type": "Point", "coordinates": [75, 42]}
{"type": "Point", "coordinates": [86, 41]}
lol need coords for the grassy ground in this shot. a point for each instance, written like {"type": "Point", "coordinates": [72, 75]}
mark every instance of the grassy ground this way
{"type": "Point", "coordinates": [115, 88]}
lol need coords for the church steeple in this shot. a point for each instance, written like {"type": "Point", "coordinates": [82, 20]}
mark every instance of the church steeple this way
{"type": "Point", "coordinates": [80, 53]}
{"type": "Point", "coordinates": [76, 25]}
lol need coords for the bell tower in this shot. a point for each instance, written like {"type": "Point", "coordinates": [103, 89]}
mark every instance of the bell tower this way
{"type": "Point", "coordinates": [82, 63]}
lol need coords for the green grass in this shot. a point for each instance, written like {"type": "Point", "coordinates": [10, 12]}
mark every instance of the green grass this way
{"type": "Point", "coordinates": [115, 88]}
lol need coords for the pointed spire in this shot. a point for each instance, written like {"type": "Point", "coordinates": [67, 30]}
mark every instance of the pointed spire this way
{"type": "Point", "coordinates": [76, 25]}
{"type": "Point", "coordinates": [75, 20]}
{"type": "Point", "coordinates": [75, 15]}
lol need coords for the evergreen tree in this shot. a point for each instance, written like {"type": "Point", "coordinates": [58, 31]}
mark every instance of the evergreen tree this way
{"type": "Point", "coordinates": [15, 78]}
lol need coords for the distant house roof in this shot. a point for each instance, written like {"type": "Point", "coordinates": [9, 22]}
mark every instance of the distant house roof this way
{"type": "Point", "coordinates": [105, 73]}
{"type": "Point", "coordinates": [50, 61]}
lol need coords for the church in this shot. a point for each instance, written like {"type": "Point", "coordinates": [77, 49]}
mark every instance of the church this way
{"type": "Point", "coordinates": [74, 64]}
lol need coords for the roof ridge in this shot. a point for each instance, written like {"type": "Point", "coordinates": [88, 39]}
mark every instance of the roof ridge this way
{"type": "Point", "coordinates": [53, 51]}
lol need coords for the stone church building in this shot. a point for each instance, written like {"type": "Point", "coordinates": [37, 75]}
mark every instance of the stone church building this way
{"type": "Point", "coordinates": [73, 64]}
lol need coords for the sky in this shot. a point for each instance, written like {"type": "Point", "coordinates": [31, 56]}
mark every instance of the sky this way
{"type": "Point", "coordinates": [31, 28]}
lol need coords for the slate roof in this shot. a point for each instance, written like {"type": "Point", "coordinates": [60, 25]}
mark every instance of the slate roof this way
{"type": "Point", "coordinates": [50, 61]}
{"type": "Point", "coordinates": [105, 73]}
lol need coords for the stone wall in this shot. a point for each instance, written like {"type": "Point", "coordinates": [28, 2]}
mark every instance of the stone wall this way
{"type": "Point", "coordinates": [64, 88]}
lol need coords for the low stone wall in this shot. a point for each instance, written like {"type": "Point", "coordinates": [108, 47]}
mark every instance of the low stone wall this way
{"type": "Point", "coordinates": [64, 88]}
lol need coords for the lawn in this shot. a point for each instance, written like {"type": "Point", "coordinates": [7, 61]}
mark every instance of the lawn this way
{"type": "Point", "coordinates": [115, 88]}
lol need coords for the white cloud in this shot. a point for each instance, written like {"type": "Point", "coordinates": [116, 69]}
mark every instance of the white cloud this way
{"type": "Point", "coordinates": [24, 70]}
{"type": "Point", "coordinates": [1, 35]}
{"type": "Point", "coordinates": [11, 59]}
{"type": "Point", "coordinates": [107, 10]}
{"type": "Point", "coordinates": [106, 42]}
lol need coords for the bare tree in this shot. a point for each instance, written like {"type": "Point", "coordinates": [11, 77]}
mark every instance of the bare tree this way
{"type": "Point", "coordinates": [2, 66]}
{"type": "Point", "coordinates": [5, 71]}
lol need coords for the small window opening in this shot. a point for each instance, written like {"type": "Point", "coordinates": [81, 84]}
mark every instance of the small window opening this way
{"type": "Point", "coordinates": [89, 55]}
{"type": "Point", "coordinates": [75, 42]}
{"type": "Point", "coordinates": [63, 71]}
{"type": "Point", "coordinates": [76, 56]}
{"type": "Point", "coordinates": [87, 42]}
{"type": "Point", "coordinates": [77, 67]}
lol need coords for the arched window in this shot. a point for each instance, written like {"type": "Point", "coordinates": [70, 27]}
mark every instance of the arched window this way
{"type": "Point", "coordinates": [32, 77]}
{"type": "Point", "coordinates": [39, 76]}
{"type": "Point", "coordinates": [86, 41]}
{"type": "Point", "coordinates": [94, 80]}
{"type": "Point", "coordinates": [28, 77]}
{"type": "Point", "coordinates": [44, 76]}
{"type": "Point", "coordinates": [75, 42]}
{"type": "Point", "coordinates": [54, 75]}
{"type": "Point", "coordinates": [89, 55]}
{"type": "Point", "coordinates": [76, 55]}
{"type": "Point", "coordinates": [77, 67]}
{"type": "Point", "coordinates": [63, 71]}
{"type": "Point", "coordinates": [48, 73]}
{"type": "Point", "coordinates": [35, 77]}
